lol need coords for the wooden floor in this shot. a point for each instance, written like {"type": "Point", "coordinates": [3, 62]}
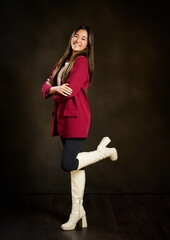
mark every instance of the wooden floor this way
{"type": "Point", "coordinates": [110, 217]}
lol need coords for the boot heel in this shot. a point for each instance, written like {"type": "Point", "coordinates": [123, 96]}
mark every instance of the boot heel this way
{"type": "Point", "coordinates": [104, 142]}
{"type": "Point", "coordinates": [114, 156]}
{"type": "Point", "coordinates": [84, 222]}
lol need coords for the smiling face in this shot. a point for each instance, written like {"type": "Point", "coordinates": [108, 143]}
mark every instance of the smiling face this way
{"type": "Point", "coordinates": [79, 40]}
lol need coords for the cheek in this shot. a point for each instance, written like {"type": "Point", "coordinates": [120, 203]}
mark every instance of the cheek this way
{"type": "Point", "coordinates": [72, 40]}
{"type": "Point", "coordinates": [85, 44]}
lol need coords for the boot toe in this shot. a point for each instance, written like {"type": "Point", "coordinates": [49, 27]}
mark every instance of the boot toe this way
{"type": "Point", "coordinates": [114, 156]}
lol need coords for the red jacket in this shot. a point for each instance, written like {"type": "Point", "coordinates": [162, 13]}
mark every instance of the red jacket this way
{"type": "Point", "coordinates": [71, 116]}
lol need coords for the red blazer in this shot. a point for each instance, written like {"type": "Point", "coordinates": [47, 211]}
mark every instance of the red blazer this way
{"type": "Point", "coordinates": [71, 115]}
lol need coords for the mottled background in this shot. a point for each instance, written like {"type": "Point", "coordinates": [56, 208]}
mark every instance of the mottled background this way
{"type": "Point", "coordinates": [128, 98]}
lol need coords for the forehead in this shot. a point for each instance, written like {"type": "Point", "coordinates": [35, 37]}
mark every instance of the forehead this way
{"type": "Point", "coordinates": [82, 32]}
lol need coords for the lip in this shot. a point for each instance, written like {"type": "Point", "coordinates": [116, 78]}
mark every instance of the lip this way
{"type": "Point", "coordinates": [76, 45]}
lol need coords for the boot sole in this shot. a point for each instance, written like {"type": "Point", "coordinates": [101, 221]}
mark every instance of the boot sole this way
{"type": "Point", "coordinates": [82, 223]}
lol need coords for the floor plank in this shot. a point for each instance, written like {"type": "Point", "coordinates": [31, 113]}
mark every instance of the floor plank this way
{"type": "Point", "coordinates": [110, 217]}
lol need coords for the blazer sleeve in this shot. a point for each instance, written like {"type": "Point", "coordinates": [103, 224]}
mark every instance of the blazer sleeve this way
{"type": "Point", "coordinates": [46, 87]}
{"type": "Point", "coordinates": [78, 76]}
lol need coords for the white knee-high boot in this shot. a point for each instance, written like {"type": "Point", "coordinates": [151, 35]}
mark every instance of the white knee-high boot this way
{"type": "Point", "coordinates": [77, 190]}
{"type": "Point", "coordinates": [102, 152]}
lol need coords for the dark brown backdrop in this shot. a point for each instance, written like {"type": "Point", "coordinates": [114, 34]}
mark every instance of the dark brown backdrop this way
{"type": "Point", "coordinates": [128, 98]}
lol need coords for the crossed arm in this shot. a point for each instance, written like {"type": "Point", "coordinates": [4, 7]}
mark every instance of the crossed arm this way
{"type": "Point", "coordinates": [77, 77]}
{"type": "Point", "coordinates": [63, 89]}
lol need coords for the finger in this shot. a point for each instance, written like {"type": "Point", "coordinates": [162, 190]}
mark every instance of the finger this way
{"type": "Point", "coordinates": [64, 94]}
{"type": "Point", "coordinates": [68, 88]}
{"type": "Point", "coordinates": [67, 92]}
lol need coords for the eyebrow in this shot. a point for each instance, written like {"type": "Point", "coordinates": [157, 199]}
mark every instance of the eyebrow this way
{"type": "Point", "coordinates": [79, 35]}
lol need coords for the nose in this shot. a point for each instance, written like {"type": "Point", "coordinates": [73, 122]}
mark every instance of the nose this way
{"type": "Point", "coordinates": [78, 39]}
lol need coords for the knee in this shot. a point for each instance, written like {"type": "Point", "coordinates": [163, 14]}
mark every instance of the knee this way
{"type": "Point", "coordinates": [66, 168]}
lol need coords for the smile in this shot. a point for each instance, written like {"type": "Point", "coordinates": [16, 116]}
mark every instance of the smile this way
{"type": "Point", "coordinates": [76, 45]}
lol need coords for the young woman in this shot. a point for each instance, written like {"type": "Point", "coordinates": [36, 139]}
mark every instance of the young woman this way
{"type": "Point", "coordinates": [68, 83]}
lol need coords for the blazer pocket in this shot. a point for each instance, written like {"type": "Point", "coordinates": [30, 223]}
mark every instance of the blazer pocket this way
{"type": "Point", "coordinates": [70, 113]}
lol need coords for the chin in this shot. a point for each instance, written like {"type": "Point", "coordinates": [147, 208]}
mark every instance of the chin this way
{"type": "Point", "coordinates": [77, 50]}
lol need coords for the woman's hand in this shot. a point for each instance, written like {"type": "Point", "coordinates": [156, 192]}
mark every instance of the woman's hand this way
{"type": "Point", "coordinates": [64, 89]}
{"type": "Point", "coordinates": [48, 82]}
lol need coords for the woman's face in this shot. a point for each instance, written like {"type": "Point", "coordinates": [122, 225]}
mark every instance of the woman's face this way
{"type": "Point", "coordinates": [79, 40]}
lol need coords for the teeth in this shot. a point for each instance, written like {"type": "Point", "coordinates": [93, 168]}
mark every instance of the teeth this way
{"type": "Point", "coordinates": [76, 45]}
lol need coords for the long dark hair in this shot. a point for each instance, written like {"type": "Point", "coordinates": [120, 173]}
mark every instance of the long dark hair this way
{"type": "Point", "coordinates": [88, 52]}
